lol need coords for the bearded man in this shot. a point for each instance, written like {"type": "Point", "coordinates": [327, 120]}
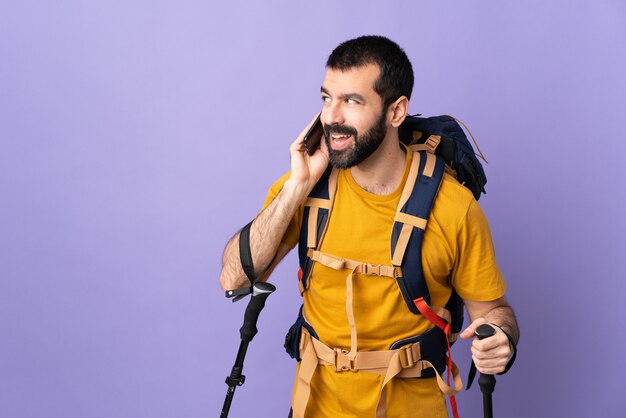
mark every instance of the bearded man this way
{"type": "Point", "coordinates": [352, 316]}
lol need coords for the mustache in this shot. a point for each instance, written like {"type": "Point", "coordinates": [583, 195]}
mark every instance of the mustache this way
{"type": "Point", "coordinates": [339, 129]}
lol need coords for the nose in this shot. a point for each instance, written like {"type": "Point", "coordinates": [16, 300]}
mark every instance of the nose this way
{"type": "Point", "coordinates": [332, 113]}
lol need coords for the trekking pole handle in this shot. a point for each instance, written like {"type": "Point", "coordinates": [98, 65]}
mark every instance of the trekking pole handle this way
{"type": "Point", "coordinates": [485, 331]}
{"type": "Point", "coordinates": [260, 292]}
{"type": "Point", "coordinates": [486, 381]}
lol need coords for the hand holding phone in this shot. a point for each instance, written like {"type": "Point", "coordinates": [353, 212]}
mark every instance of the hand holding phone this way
{"type": "Point", "coordinates": [313, 137]}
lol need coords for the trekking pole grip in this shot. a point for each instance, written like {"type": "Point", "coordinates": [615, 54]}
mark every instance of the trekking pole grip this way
{"type": "Point", "coordinates": [487, 382]}
{"type": "Point", "coordinates": [260, 292]}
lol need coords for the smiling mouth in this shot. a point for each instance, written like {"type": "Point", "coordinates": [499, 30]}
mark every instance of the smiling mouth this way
{"type": "Point", "coordinates": [340, 141]}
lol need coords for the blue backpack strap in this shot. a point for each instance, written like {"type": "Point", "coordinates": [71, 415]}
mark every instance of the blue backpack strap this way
{"type": "Point", "coordinates": [420, 191]}
{"type": "Point", "coordinates": [455, 307]}
{"type": "Point", "coordinates": [317, 208]}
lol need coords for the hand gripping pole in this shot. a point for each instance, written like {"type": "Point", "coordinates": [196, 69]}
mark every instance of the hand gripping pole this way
{"type": "Point", "coordinates": [260, 292]}
{"type": "Point", "coordinates": [487, 382]}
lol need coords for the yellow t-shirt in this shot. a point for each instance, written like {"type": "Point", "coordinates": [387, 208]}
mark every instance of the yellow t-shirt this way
{"type": "Point", "coordinates": [457, 244]}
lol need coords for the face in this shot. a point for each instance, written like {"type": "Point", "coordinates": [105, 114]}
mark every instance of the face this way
{"type": "Point", "coordinates": [354, 122]}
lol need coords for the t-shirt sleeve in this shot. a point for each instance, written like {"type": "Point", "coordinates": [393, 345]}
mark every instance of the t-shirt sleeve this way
{"type": "Point", "coordinates": [292, 234]}
{"type": "Point", "coordinates": [476, 274]}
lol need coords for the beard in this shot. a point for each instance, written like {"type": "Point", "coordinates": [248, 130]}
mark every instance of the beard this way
{"type": "Point", "coordinates": [363, 145]}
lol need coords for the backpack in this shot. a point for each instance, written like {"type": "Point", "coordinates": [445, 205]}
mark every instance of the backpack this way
{"type": "Point", "coordinates": [444, 136]}
{"type": "Point", "coordinates": [444, 146]}
{"type": "Point", "coordinates": [440, 146]}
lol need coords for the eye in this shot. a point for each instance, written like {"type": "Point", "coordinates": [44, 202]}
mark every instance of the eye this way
{"type": "Point", "coordinates": [325, 99]}
{"type": "Point", "coordinates": [352, 101]}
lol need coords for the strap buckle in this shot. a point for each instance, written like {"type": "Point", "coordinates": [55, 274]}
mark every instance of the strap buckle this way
{"type": "Point", "coordinates": [405, 355]}
{"type": "Point", "coordinates": [432, 142]}
{"type": "Point", "coordinates": [372, 269]}
{"type": "Point", "coordinates": [343, 362]}
{"type": "Point", "coordinates": [397, 272]}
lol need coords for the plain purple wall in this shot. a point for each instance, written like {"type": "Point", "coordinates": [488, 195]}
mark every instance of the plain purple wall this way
{"type": "Point", "coordinates": [137, 136]}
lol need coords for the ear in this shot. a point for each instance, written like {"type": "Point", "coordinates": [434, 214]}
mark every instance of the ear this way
{"type": "Point", "coordinates": [398, 111]}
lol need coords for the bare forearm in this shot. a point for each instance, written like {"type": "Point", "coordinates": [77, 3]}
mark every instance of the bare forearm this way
{"type": "Point", "coordinates": [492, 355]}
{"type": "Point", "coordinates": [504, 317]}
{"type": "Point", "coordinates": [266, 233]}
{"type": "Point", "coordinates": [497, 312]}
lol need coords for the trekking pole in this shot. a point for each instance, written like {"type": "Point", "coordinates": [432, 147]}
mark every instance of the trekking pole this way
{"type": "Point", "coordinates": [487, 382]}
{"type": "Point", "coordinates": [260, 292]}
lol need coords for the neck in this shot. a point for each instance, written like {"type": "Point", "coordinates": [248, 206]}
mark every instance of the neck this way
{"type": "Point", "coordinates": [382, 172]}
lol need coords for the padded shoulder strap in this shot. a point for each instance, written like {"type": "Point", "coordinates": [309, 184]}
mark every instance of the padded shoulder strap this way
{"type": "Point", "coordinates": [412, 215]}
{"type": "Point", "coordinates": [317, 209]}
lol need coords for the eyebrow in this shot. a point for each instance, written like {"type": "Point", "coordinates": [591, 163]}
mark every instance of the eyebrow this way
{"type": "Point", "coordinates": [355, 96]}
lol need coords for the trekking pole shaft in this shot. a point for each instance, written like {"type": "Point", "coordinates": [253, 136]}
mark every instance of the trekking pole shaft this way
{"type": "Point", "coordinates": [487, 405]}
{"type": "Point", "coordinates": [487, 382]}
{"type": "Point", "coordinates": [235, 379]}
{"type": "Point", "coordinates": [229, 399]}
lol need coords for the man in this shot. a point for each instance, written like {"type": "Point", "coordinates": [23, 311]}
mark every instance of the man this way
{"type": "Point", "coordinates": [365, 95]}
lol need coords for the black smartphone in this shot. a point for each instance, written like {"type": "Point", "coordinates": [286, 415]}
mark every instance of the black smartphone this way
{"type": "Point", "coordinates": [313, 137]}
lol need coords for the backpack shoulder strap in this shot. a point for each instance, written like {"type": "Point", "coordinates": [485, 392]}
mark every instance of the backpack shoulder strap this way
{"type": "Point", "coordinates": [317, 209]}
{"type": "Point", "coordinates": [416, 202]}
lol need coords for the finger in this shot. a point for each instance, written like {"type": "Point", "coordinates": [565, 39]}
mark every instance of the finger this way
{"type": "Point", "coordinates": [490, 362]}
{"type": "Point", "coordinates": [471, 329]}
{"type": "Point", "coordinates": [497, 352]}
{"type": "Point", "coordinates": [490, 365]}
{"type": "Point", "coordinates": [494, 343]}
{"type": "Point", "coordinates": [499, 339]}
{"type": "Point", "coordinates": [490, 370]}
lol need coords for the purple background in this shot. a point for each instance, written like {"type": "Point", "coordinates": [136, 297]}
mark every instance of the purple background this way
{"type": "Point", "coordinates": [136, 137]}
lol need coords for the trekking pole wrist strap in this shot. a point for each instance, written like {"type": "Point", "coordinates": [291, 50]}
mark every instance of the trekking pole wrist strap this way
{"type": "Point", "coordinates": [245, 256]}
{"type": "Point", "coordinates": [512, 345]}
{"type": "Point", "coordinates": [244, 252]}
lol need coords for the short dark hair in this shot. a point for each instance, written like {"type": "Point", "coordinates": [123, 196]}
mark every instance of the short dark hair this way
{"type": "Point", "coordinates": [396, 71]}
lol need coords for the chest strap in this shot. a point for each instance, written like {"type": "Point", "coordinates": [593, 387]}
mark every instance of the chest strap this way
{"type": "Point", "coordinates": [353, 266]}
{"type": "Point", "coordinates": [405, 361]}
{"type": "Point", "coordinates": [339, 263]}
